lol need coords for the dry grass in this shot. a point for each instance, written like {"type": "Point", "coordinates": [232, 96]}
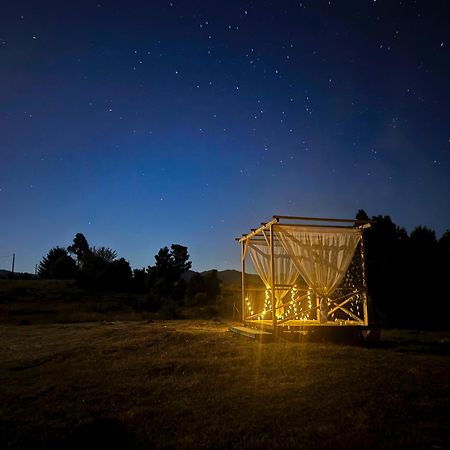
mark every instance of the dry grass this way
{"type": "Point", "coordinates": [193, 384]}
{"type": "Point", "coordinates": [61, 301]}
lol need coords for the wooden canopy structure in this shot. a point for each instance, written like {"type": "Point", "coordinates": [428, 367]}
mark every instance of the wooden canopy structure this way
{"type": "Point", "coordinates": [313, 274]}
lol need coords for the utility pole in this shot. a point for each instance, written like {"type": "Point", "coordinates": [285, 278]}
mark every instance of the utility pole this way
{"type": "Point", "coordinates": [13, 261]}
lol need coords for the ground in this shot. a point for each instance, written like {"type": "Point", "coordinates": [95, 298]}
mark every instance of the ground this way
{"type": "Point", "coordinates": [193, 384]}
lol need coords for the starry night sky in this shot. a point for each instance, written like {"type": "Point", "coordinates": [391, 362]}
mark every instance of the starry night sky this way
{"type": "Point", "coordinates": [143, 123]}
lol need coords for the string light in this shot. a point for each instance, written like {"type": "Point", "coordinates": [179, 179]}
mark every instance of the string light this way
{"type": "Point", "coordinates": [249, 306]}
{"type": "Point", "coordinates": [309, 303]}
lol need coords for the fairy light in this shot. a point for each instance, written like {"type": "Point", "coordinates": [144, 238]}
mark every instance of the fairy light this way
{"type": "Point", "coordinates": [309, 303]}
{"type": "Point", "coordinates": [249, 306]}
{"type": "Point", "coordinates": [267, 300]}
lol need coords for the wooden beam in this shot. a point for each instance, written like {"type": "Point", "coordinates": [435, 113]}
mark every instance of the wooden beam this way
{"type": "Point", "coordinates": [243, 282]}
{"type": "Point", "coordinates": [344, 300]}
{"type": "Point", "coordinates": [257, 231]}
{"type": "Point", "coordinates": [349, 313]}
{"type": "Point", "coordinates": [265, 237]}
{"type": "Point", "coordinates": [322, 219]}
{"type": "Point", "coordinates": [272, 281]}
{"type": "Point", "coordinates": [309, 225]}
{"type": "Point", "coordinates": [265, 225]}
{"type": "Point", "coordinates": [364, 279]}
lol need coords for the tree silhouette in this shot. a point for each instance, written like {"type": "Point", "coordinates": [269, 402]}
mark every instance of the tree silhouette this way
{"type": "Point", "coordinates": [57, 264]}
{"type": "Point", "coordinates": [361, 215]}
{"type": "Point", "coordinates": [98, 267]}
{"type": "Point", "coordinates": [79, 248]}
{"type": "Point", "coordinates": [139, 282]}
{"type": "Point", "coordinates": [196, 285]}
{"type": "Point", "coordinates": [165, 276]}
{"type": "Point", "coordinates": [117, 275]}
{"type": "Point", "coordinates": [444, 244]}
{"type": "Point", "coordinates": [107, 254]}
{"type": "Point", "coordinates": [423, 275]}
{"type": "Point", "coordinates": [405, 274]}
{"type": "Point", "coordinates": [424, 239]}
{"type": "Point", "coordinates": [444, 270]}
{"type": "Point", "coordinates": [180, 258]}
{"type": "Point", "coordinates": [386, 252]}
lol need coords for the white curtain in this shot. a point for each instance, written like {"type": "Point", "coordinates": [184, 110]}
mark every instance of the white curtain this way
{"type": "Point", "coordinates": [321, 255]}
{"type": "Point", "coordinates": [285, 271]}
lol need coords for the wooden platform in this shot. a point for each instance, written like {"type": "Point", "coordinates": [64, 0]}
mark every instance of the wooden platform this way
{"type": "Point", "coordinates": [252, 333]}
{"type": "Point", "coordinates": [304, 324]}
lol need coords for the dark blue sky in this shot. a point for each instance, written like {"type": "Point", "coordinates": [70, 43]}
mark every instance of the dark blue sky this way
{"type": "Point", "coordinates": [143, 123]}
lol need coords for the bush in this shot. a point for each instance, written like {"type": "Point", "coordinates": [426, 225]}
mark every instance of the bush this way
{"type": "Point", "coordinates": [200, 299]}
{"type": "Point", "coordinates": [169, 310]}
{"type": "Point", "coordinates": [207, 312]}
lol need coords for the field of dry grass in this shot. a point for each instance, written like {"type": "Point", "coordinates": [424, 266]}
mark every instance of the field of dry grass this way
{"type": "Point", "coordinates": [62, 301]}
{"type": "Point", "coordinates": [193, 384]}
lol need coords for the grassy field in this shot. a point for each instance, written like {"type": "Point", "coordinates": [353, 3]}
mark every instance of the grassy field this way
{"type": "Point", "coordinates": [62, 301]}
{"type": "Point", "coordinates": [193, 384]}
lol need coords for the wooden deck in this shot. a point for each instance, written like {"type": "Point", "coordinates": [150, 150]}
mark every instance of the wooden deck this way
{"type": "Point", "coordinates": [252, 333]}
{"type": "Point", "coordinates": [303, 324]}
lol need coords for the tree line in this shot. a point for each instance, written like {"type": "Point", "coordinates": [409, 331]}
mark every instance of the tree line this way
{"type": "Point", "coordinates": [407, 274]}
{"type": "Point", "coordinates": [163, 284]}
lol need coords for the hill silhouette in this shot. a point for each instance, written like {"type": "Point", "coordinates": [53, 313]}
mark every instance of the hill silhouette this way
{"type": "Point", "coordinates": [228, 276]}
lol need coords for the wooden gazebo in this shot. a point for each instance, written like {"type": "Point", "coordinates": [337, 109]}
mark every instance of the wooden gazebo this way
{"type": "Point", "coordinates": [312, 272]}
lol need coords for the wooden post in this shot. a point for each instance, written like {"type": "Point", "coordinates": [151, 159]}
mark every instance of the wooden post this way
{"type": "Point", "coordinates": [364, 280]}
{"type": "Point", "coordinates": [272, 282]}
{"type": "Point", "coordinates": [243, 282]}
{"type": "Point", "coordinates": [13, 263]}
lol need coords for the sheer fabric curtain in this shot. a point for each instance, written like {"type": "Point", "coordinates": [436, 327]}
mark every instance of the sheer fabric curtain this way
{"type": "Point", "coordinates": [321, 255]}
{"type": "Point", "coordinates": [285, 271]}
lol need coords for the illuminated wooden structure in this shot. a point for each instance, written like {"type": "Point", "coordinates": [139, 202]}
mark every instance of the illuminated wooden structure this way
{"type": "Point", "coordinates": [277, 305]}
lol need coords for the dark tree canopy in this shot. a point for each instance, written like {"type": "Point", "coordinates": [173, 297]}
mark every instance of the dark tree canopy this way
{"type": "Point", "coordinates": [57, 264]}
{"type": "Point", "coordinates": [79, 248]}
{"type": "Point", "coordinates": [361, 215]}
{"type": "Point", "coordinates": [139, 282]}
{"type": "Point", "coordinates": [117, 275]}
{"type": "Point", "coordinates": [195, 286]}
{"type": "Point", "coordinates": [404, 274]}
{"type": "Point", "coordinates": [163, 259]}
{"type": "Point", "coordinates": [444, 244]}
{"type": "Point", "coordinates": [180, 258]}
{"type": "Point", "coordinates": [174, 262]}
{"type": "Point", "coordinates": [105, 253]}
{"type": "Point", "coordinates": [97, 268]}
{"type": "Point", "coordinates": [423, 238]}
{"type": "Point", "coordinates": [164, 277]}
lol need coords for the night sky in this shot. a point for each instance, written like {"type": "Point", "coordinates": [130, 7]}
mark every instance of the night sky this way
{"type": "Point", "coordinates": [143, 123]}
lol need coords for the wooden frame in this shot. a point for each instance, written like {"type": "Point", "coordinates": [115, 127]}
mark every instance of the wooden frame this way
{"type": "Point", "coordinates": [341, 312]}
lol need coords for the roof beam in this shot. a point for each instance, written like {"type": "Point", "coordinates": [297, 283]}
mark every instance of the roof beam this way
{"type": "Point", "coordinates": [322, 219]}
{"type": "Point", "coordinates": [258, 230]}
